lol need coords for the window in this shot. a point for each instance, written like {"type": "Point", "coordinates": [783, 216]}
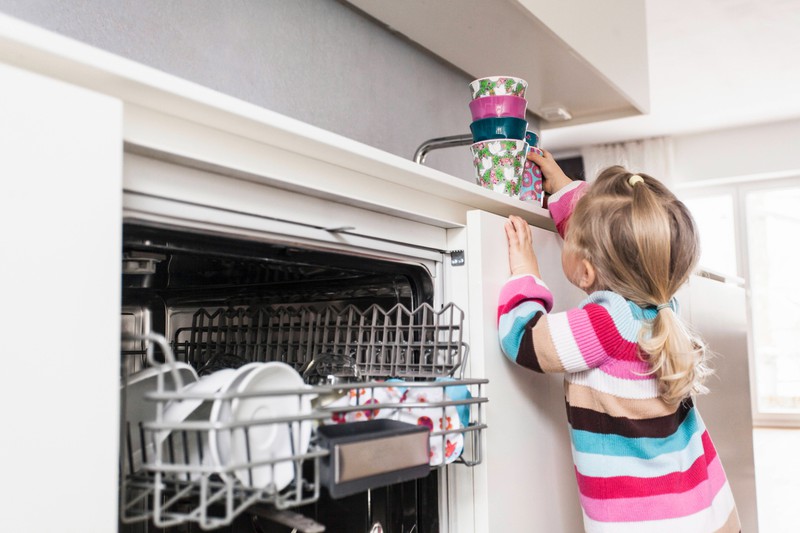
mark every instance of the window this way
{"type": "Point", "coordinates": [767, 246]}
{"type": "Point", "coordinates": [773, 244]}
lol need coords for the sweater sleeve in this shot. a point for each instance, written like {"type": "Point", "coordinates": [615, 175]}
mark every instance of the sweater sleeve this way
{"type": "Point", "coordinates": [570, 341]}
{"type": "Point", "coordinates": [523, 301]}
{"type": "Point", "coordinates": [562, 203]}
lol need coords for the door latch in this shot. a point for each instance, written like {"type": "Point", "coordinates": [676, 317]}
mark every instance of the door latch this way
{"type": "Point", "coordinates": [457, 258]}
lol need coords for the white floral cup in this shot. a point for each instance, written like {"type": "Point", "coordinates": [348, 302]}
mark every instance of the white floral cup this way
{"type": "Point", "coordinates": [499, 164]}
{"type": "Point", "coordinates": [498, 86]}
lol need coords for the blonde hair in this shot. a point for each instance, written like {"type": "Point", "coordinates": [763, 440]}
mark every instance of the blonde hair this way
{"type": "Point", "coordinates": [643, 244]}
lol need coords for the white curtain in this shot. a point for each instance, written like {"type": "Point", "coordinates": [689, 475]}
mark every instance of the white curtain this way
{"type": "Point", "coordinates": [649, 156]}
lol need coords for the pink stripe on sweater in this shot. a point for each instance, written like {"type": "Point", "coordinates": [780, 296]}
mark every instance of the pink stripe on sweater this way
{"type": "Point", "coordinates": [561, 210]}
{"type": "Point", "coordinates": [585, 337]}
{"type": "Point", "coordinates": [593, 351]}
{"type": "Point", "coordinates": [659, 507]}
{"type": "Point", "coordinates": [633, 370]}
{"type": "Point", "coordinates": [616, 487]}
{"type": "Point", "coordinates": [518, 290]}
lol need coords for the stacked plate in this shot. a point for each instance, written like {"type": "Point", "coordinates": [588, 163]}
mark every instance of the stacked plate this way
{"type": "Point", "coordinates": [499, 131]}
{"type": "Point", "coordinates": [252, 421]}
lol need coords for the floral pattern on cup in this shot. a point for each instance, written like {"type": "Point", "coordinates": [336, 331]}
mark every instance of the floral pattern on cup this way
{"type": "Point", "coordinates": [498, 86]}
{"type": "Point", "coordinates": [531, 188]}
{"type": "Point", "coordinates": [499, 164]}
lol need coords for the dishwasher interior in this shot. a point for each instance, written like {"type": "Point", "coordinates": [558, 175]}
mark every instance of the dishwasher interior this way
{"type": "Point", "coordinates": [275, 387]}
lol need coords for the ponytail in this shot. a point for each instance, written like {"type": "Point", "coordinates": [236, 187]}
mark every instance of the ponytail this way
{"type": "Point", "coordinates": [677, 357]}
{"type": "Point", "coordinates": [645, 250]}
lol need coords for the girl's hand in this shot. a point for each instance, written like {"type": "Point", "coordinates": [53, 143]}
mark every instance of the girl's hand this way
{"type": "Point", "coordinates": [553, 178]}
{"type": "Point", "coordinates": [521, 257]}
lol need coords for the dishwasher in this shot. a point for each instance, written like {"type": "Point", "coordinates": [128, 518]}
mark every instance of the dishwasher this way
{"type": "Point", "coordinates": [371, 361]}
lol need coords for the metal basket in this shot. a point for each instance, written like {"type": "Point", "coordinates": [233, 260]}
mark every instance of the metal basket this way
{"type": "Point", "coordinates": [177, 480]}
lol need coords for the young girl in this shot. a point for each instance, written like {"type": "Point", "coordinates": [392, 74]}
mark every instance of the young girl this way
{"type": "Point", "coordinates": [643, 458]}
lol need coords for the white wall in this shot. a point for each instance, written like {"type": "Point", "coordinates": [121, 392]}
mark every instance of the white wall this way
{"type": "Point", "coordinates": [761, 150]}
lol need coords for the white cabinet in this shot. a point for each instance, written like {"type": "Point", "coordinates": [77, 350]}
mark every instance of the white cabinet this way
{"type": "Point", "coordinates": [527, 480]}
{"type": "Point", "coordinates": [61, 168]}
{"type": "Point", "coordinates": [589, 57]}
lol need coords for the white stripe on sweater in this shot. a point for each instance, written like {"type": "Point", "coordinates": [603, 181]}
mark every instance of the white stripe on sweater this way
{"type": "Point", "coordinates": [567, 349]}
{"type": "Point", "coordinates": [634, 389]}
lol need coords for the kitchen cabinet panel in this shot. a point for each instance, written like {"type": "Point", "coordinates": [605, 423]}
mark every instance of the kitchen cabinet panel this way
{"type": "Point", "coordinates": [590, 57]}
{"type": "Point", "coordinates": [61, 166]}
{"type": "Point", "coordinates": [527, 481]}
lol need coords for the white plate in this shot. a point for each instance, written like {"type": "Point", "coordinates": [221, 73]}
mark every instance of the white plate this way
{"type": "Point", "coordinates": [219, 440]}
{"type": "Point", "coordinates": [139, 410]}
{"type": "Point", "coordinates": [192, 409]}
{"type": "Point", "coordinates": [266, 440]}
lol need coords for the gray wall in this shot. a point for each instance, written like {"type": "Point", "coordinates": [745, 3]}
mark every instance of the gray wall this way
{"type": "Point", "coordinates": [319, 61]}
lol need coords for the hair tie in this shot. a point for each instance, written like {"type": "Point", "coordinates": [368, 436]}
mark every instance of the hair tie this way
{"type": "Point", "coordinates": [636, 178]}
{"type": "Point", "coordinates": [659, 307]}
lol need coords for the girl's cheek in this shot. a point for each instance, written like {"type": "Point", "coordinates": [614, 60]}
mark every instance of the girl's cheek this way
{"type": "Point", "coordinates": [569, 264]}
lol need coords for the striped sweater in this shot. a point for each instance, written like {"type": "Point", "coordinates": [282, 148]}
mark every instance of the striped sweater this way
{"type": "Point", "coordinates": [642, 465]}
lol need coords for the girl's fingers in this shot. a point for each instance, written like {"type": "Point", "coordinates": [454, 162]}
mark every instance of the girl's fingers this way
{"type": "Point", "coordinates": [512, 234]}
{"type": "Point", "coordinates": [521, 227]}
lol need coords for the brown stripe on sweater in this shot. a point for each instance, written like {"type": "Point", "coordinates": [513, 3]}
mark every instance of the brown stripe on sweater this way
{"type": "Point", "coordinates": [596, 422]}
{"type": "Point", "coordinates": [546, 352]}
{"type": "Point", "coordinates": [589, 398]}
{"type": "Point", "coordinates": [526, 355]}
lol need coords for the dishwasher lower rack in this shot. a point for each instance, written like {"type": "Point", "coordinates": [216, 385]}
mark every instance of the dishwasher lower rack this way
{"type": "Point", "coordinates": [210, 467]}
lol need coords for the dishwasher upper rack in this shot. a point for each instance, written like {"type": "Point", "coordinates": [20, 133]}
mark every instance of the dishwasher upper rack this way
{"type": "Point", "coordinates": [173, 486]}
{"type": "Point", "coordinates": [399, 342]}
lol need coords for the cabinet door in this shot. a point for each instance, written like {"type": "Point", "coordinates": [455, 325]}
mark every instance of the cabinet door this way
{"type": "Point", "coordinates": [526, 482]}
{"type": "Point", "coordinates": [60, 162]}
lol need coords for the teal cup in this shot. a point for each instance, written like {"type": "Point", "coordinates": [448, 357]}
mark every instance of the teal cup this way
{"type": "Point", "coordinates": [486, 129]}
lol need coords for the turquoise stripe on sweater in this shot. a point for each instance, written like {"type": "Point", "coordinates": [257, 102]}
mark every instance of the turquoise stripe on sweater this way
{"type": "Point", "coordinates": [643, 447]}
{"type": "Point", "coordinates": [599, 465]}
{"type": "Point", "coordinates": [512, 326]}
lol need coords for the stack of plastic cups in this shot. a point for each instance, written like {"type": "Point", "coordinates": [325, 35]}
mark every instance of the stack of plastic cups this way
{"type": "Point", "coordinates": [501, 139]}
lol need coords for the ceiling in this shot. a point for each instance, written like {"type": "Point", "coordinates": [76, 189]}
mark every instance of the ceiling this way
{"type": "Point", "coordinates": [714, 64]}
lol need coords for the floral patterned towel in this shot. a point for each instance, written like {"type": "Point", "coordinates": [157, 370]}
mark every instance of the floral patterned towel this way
{"type": "Point", "coordinates": [444, 449]}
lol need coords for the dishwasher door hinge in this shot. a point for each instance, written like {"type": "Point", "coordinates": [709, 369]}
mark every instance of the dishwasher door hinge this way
{"type": "Point", "coordinates": [457, 258]}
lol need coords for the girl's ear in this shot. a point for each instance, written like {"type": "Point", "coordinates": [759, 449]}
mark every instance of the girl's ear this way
{"type": "Point", "coordinates": [586, 275]}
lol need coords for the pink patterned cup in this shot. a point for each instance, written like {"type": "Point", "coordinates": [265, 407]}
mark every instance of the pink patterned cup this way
{"type": "Point", "coordinates": [531, 189]}
{"type": "Point", "coordinates": [498, 106]}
